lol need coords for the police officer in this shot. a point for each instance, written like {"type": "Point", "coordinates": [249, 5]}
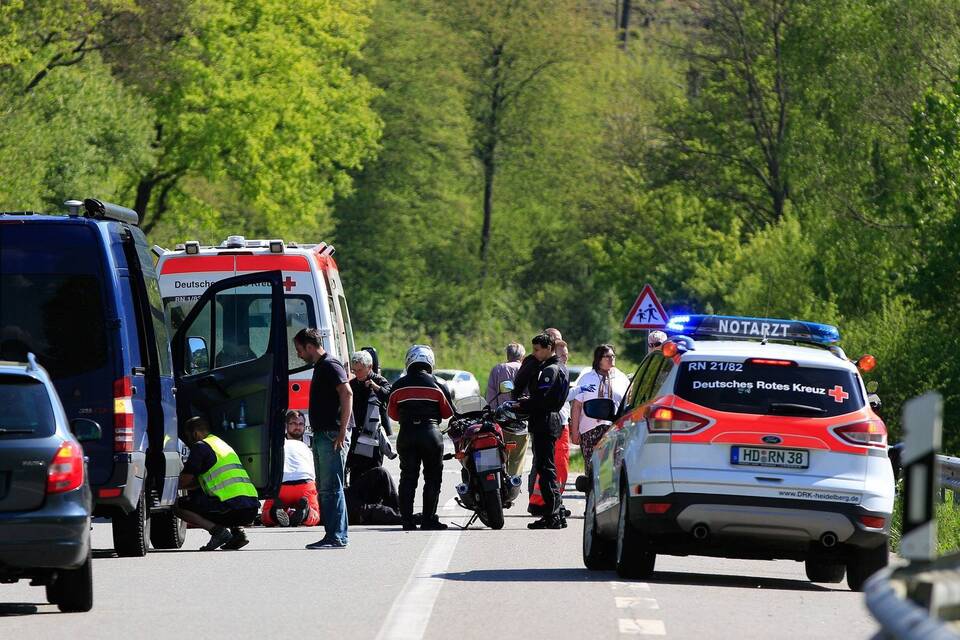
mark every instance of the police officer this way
{"type": "Point", "coordinates": [224, 499]}
{"type": "Point", "coordinates": [546, 388]}
{"type": "Point", "coordinates": [419, 402]}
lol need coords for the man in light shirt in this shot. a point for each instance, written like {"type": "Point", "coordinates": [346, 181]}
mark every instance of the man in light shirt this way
{"type": "Point", "coordinates": [297, 503]}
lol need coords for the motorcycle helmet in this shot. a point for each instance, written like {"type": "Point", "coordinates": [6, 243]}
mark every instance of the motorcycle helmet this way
{"type": "Point", "coordinates": [655, 339]}
{"type": "Point", "coordinates": [420, 353]}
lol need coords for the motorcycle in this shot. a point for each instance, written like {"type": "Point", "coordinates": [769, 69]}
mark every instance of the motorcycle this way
{"type": "Point", "coordinates": [477, 433]}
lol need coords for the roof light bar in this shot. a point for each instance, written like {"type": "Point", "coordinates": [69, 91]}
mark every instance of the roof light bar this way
{"type": "Point", "coordinates": [700, 326]}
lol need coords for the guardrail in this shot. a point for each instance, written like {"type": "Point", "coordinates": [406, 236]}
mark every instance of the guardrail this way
{"type": "Point", "coordinates": [949, 477]}
{"type": "Point", "coordinates": [914, 602]}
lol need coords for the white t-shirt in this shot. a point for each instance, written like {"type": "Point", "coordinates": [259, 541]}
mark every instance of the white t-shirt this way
{"type": "Point", "coordinates": [589, 387]}
{"type": "Point", "coordinates": [297, 461]}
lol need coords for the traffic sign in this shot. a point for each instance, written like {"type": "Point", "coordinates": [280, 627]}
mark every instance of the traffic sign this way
{"type": "Point", "coordinates": [646, 312]}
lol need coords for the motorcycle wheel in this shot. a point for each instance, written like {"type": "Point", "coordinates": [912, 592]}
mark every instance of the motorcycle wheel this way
{"type": "Point", "coordinates": [492, 509]}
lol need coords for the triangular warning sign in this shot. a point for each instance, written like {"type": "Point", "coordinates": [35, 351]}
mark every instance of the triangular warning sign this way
{"type": "Point", "coordinates": [646, 312]}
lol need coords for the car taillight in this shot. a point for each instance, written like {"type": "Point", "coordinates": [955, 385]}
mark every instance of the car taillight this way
{"type": "Point", "coordinates": [669, 420]}
{"type": "Point", "coordinates": [869, 433]}
{"type": "Point", "coordinates": [874, 522]}
{"type": "Point", "coordinates": [66, 469]}
{"type": "Point", "coordinates": [123, 415]}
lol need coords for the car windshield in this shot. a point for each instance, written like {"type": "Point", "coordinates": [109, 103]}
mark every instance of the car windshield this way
{"type": "Point", "coordinates": [27, 412]}
{"type": "Point", "coordinates": [770, 389]}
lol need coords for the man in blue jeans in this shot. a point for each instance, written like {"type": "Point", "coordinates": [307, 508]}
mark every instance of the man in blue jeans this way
{"type": "Point", "coordinates": [331, 418]}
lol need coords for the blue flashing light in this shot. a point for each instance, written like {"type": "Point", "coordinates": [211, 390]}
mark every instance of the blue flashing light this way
{"type": "Point", "coordinates": [699, 326]}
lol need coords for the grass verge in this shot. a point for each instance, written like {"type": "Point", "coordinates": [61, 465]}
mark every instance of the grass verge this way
{"type": "Point", "coordinates": [948, 524]}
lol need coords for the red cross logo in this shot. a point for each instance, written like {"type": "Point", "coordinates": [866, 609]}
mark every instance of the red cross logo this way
{"type": "Point", "coordinates": [838, 394]}
{"type": "Point", "coordinates": [289, 284]}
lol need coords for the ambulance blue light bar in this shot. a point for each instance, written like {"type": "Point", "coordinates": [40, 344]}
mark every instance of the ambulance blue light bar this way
{"type": "Point", "coordinates": [700, 326]}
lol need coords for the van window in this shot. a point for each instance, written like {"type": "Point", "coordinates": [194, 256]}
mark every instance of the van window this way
{"type": "Point", "coordinates": [52, 271]}
{"type": "Point", "coordinates": [346, 326]}
{"type": "Point", "coordinates": [27, 412]}
{"type": "Point", "coordinates": [744, 387]}
{"type": "Point", "coordinates": [156, 305]}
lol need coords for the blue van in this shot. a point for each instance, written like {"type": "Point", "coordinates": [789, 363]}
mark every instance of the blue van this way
{"type": "Point", "coordinates": [80, 291]}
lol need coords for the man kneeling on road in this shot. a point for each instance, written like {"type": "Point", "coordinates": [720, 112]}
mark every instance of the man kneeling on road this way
{"type": "Point", "coordinates": [297, 504]}
{"type": "Point", "coordinates": [223, 499]}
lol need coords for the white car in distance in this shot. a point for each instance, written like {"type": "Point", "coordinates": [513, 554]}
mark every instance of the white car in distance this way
{"type": "Point", "coordinates": [462, 384]}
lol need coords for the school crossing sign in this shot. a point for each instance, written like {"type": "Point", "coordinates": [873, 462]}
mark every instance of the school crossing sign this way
{"type": "Point", "coordinates": [646, 312]}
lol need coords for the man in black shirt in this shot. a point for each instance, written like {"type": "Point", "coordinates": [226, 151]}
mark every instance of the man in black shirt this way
{"type": "Point", "coordinates": [546, 387]}
{"type": "Point", "coordinates": [331, 418]}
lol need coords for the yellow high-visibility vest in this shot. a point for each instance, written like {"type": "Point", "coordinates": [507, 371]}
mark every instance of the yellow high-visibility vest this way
{"type": "Point", "coordinates": [226, 478]}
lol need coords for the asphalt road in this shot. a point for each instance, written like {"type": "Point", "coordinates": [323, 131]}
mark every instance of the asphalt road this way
{"type": "Point", "coordinates": [391, 584]}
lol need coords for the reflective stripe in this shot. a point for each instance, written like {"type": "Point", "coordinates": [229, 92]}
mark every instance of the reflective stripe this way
{"type": "Point", "coordinates": [227, 483]}
{"type": "Point", "coordinates": [227, 478]}
{"type": "Point", "coordinates": [221, 470]}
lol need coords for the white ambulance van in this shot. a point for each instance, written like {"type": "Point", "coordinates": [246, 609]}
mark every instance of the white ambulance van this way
{"type": "Point", "coordinates": [313, 291]}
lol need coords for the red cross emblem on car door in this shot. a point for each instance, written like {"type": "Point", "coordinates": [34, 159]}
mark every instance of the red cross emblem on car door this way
{"type": "Point", "coordinates": [838, 394]}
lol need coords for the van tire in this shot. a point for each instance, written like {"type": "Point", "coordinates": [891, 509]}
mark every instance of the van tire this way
{"type": "Point", "coordinates": [167, 531]}
{"type": "Point", "coordinates": [72, 590]}
{"type": "Point", "coordinates": [131, 531]}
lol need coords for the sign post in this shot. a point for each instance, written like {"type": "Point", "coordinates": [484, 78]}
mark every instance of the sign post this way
{"type": "Point", "coordinates": [923, 423]}
{"type": "Point", "coordinates": [647, 312]}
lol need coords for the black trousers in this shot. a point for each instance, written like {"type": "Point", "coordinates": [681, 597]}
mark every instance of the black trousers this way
{"type": "Point", "coordinates": [545, 466]}
{"type": "Point", "coordinates": [420, 444]}
{"type": "Point", "coordinates": [372, 498]}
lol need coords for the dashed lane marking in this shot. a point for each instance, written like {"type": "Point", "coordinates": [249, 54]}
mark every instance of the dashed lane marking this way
{"type": "Point", "coordinates": [410, 614]}
{"type": "Point", "coordinates": [632, 586]}
{"type": "Point", "coordinates": [634, 602]}
{"type": "Point", "coordinates": [638, 627]}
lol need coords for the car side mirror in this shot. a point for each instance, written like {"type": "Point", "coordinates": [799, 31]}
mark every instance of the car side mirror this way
{"type": "Point", "coordinates": [506, 386]}
{"type": "Point", "coordinates": [85, 430]}
{"type": "Point", "coordinates": [197, 358]}
{"type": "Point", "coordinates": [874, 401]}
{"type": "Point", "coordinates": [600, 409]}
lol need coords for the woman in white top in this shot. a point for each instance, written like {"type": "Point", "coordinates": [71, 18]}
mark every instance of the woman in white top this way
{"type": "Point", "coordinates": [604, 380]}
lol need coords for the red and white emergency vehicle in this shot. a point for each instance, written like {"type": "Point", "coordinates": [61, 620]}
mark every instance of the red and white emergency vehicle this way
{"type": "Point", "coordinates": [743, 438]}
{"type": "Point", "coordinates": [314, 297]}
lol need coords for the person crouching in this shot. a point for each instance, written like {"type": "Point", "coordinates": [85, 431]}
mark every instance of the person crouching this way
{"type": "Point", "coordinates": [297, 503]}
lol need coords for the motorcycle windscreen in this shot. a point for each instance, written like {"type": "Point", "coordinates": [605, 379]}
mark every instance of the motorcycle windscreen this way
{"type": "Point", "coordinates": [230, 359]}
{"type": "Point", "coordinates": [469, 404]}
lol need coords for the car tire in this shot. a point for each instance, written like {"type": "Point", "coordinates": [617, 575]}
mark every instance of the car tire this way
{"type": "Point", "coordinates": [863, 563]}
{"type": "Point", "coordinates": [167, 531]}
{"type": "Point", "coordinates": [633, 559]}
{"type": "Point", "coordinates": [131, 531]}
{"type": "Point", "coordinates": [824, 571]}
{"type": "Point", "coordinates": [598, 553]}
{"type": "Point", "coordinates": [72, 590]}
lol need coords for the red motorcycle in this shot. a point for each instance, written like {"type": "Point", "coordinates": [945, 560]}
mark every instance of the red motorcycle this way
{"type": "Point", "coordinates": [478, 437]}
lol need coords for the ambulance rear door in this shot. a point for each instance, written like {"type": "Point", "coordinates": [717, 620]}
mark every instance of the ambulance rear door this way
{"type": "Point", "coordinates": [231, 365]}
{"type": "Point", "coordinates": [339, 313]}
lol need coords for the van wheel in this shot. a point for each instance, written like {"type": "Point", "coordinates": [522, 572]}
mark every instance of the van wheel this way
{"type": "Point", "coordinates": [824, 571]}
{"type": "Point", "coordinates": [597, 552]}
{"type": "Point", "coordinates": [167, 531]}
{"type": "Point", "coordinates": [131, 531]}
{"type": "Point", "coordinates": [72, 590]}
{"type": "Point", "coordinates": [863, 563]}
{"type": "Point", "coordinates": [633, 558]}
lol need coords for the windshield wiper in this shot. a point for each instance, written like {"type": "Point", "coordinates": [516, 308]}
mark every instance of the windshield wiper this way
{"type": "Point", "coordinates": [790, 408]}
{"type": "Point", "coordinates": [5, 431]}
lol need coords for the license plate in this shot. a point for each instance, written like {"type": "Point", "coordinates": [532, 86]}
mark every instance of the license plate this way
{"type": "Point", "coordinates": [759, 457]}
{"type": "Point", "coordinates": [487, 459]}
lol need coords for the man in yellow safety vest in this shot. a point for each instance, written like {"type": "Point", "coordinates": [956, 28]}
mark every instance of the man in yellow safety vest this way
{"type": "Point", "coordinates": [223, 499]}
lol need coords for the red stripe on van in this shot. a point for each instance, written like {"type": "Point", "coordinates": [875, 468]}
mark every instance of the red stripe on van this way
{"type": "Point", "coordinates": [272, 262]}
{"type": "Point", "coordinates": [196, 264]}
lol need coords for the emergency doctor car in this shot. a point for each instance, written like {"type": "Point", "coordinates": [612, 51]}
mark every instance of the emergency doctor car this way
{"type": "Point", "coordinates": [314, 297]}
{"type": "Point", "coordinates": [743, 438]}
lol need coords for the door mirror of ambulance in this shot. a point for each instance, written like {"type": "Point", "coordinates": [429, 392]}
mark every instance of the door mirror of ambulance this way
{"type": "Point", "coordinates": [600, 409]}
{"type": "Point", "coordinates": [872, 386]}
{"type": "Point", "coordinates": [197, 359]}
{"type": "Point", "coordinates": [506, 386]}
{"type": "Point", "coordinates": [85, 430]}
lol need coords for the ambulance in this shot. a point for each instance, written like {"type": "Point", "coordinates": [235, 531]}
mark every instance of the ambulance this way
{"type": "Point", "coordinates": [313, 293]}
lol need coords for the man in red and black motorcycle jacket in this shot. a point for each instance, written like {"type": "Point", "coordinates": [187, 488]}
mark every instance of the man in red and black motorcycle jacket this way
{"type": "Point", "coordinates": [419, 402]}
{"type": "Point", "coordinates": [546, 387]}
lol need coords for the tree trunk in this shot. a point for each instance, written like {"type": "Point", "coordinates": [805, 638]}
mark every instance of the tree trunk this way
{"type": "Point", "coordinates": [488, 149]}
{"type": "Point", "coordinates": [144, 191]}
{"type": "Point", "coordinates": [624, 24]}
{"type": "Point", "coordinates": [489, 172]}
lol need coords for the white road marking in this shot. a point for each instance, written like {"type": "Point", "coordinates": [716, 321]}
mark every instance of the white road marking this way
{"type": "Point", "coordinates": [638, 627]}
{"type": "Point", "coordinates": [634, 602]}
{"type": "Point", "coordinates": [633, 586]}
{"type": "Point", "coordinates": [410, 614]}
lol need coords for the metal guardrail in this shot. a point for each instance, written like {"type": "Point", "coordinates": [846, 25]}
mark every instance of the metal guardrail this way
{"type": "Point", "coordinates": [949, 477]}
{"type": "Point", "coordinates": [912, 601]}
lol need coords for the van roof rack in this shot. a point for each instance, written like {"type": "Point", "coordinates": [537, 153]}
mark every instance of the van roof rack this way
{"type": "Point", "coordinates": [103, 210]}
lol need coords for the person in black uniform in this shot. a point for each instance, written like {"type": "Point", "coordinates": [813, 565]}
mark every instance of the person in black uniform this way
{"type": "Point", "coordinates": [419, 402]}
{"type": "Point", "coordinates": [546, 388]}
